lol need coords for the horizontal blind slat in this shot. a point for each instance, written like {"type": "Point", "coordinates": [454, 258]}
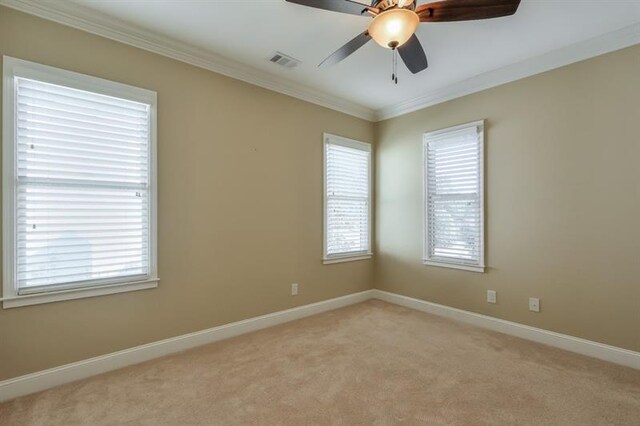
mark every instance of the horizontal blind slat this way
{"type": "Point", "coordinates": [52, 112]}
{"type": "Point", "coordinates": [79, 242]}
{"type": "Point", "coordinates": [47, 140]}
{"type": "Point", "coordinates": [83, 162]}
{"type": "Point", "coordinates": [40, 90]}
{"type": "Point", "coordinates": [79, 250]}
{"type": "Point", "coordinates": [82, 277]}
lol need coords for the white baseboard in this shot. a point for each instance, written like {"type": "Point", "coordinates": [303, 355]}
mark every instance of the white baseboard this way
{"type": "Point", "coordinates": [41, 380]}
{"type": "Point", "coordinates": [601, 351]}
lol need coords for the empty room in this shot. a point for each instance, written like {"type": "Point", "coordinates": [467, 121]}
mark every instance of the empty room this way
{"type": "Point", "coordinates": [320, 212]}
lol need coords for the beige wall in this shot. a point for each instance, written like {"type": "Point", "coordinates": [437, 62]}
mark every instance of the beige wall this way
{"type": "Point", "coordinates": [240, 205]}
{"type": "Point", "coordinates": [562, 197]}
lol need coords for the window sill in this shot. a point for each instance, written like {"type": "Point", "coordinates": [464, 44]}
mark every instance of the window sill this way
{"type": "Point", "coordinates": [342, 259]}
{"type": "Point", "coordinates": [470, 268]}
{"type": "Point", "coordinates": [77, 293]}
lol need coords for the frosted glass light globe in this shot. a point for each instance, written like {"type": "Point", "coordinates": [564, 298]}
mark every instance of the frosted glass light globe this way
{"type": "Point", "coordinates": [392, 28]}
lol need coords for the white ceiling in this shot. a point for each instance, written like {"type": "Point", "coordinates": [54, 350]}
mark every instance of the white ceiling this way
{"type": "Point", "coordinates": [249, 31]}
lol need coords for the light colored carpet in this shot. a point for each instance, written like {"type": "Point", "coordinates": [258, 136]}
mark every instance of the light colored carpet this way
{"type": "Point", "coordinates": [372, 363]}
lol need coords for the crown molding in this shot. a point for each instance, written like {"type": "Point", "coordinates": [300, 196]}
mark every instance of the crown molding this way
{"type": "Point", "coordinates": [99, 24]}
{"type": "Point", "coordinates": [95, 23]}
{"type": "Point", "coordinates": [609, 42]}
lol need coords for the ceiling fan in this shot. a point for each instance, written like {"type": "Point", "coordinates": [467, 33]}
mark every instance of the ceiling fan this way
{"type": "Point", "coordinates": [395, 22]}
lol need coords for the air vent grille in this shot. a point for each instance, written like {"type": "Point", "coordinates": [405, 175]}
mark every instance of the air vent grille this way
{"type": "Point", "coordinates": [284, 60]}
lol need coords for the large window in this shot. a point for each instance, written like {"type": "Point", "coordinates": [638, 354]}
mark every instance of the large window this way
{"type": "Point", "coordinates": [347, 199]}
{"type": "Point", "coordinates": [78, 183]}
{"type": "Point", "coordinates": [454, 199]}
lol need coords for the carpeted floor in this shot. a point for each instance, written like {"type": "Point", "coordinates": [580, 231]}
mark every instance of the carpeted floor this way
{"type": "Point", "coordinates": [372, 363]}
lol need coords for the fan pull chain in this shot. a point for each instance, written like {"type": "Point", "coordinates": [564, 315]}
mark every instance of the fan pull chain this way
{"type": "Point", "coordinates": [394, 65]}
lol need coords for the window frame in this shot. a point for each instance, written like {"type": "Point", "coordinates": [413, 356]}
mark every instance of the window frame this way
{"type": "Point", "coordinates": [453, 264]}
{"type": "Point", "coordinates": [331, 139]}
{"type": "Point", "coordinates": [12, 68]}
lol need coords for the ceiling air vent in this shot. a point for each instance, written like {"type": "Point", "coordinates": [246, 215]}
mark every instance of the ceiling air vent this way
{"type": "Point", "coordinates": [284, 60]}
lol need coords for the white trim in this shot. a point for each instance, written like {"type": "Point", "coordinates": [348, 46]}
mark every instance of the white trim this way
{"type": "Point", "coordinates": [460, 266]}
{"type": "Point", "coordinates": [589, 348]}
{"type": "Point", "coordinates": [596, 46]}
{"type": "Point", "coordinates": [328, 138]}
{"type": "Point", "coordinates": [83, 19]}
{"type": "Point", "coordinates": [453, 263]}
{"type": "Point", "coordinates": [76, 293]}
{"type": "Point", "coordinates": [74, 16]}
{"type": "Point", "coordinates": [35, 71]}
{"type": "Point", "coordinates": [445, 130]}
{"type": "Point", "coordinates": [343, 259]}
{"type": "Point", "coordinates": [13, 67]}
{"type": "Point", "coordinates": [346, 142]}
{"type": "Point", "coordinates": [45, 379]}
{"type": "Point", "coordinates": [41, 380]}
{"type": "Point", "coordinates": [9, 159]}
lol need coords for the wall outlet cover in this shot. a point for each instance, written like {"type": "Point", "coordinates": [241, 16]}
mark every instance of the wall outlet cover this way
{"type": "Point", "coordinates": [492, 296]}
{"type": "Point", "coordinates": [534, 304]}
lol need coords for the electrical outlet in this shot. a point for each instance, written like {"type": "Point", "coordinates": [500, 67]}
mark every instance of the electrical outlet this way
{"type": "Point", "coordinates": [491, 296]}
{"type": "Point", "coordinates": [294, 289]}
{"type": "Point", "coordinates": [534, 304]}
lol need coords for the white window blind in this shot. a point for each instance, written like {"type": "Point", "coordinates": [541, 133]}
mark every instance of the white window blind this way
{"type": "Point", "coordinates": [81, 189]}
{"type": "Point", "coordinates": [454, 201]}
{"type": "Point", "coordinates": [347, 198]}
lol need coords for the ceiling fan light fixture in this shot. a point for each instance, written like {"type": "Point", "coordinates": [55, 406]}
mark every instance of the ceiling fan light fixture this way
{"type": "Point", "coordinates": [392, 28]}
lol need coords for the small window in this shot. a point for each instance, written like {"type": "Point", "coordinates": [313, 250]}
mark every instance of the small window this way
{"type": "Point", "coordinates": [79, 185]}
{"type": "Point", "coordinates": [347, 199]}
{"type": "Point", "coordinates": [454, 199]}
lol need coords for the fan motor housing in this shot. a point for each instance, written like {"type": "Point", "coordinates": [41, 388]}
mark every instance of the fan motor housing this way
{"type": "Point", "coordinates": [389, 4]}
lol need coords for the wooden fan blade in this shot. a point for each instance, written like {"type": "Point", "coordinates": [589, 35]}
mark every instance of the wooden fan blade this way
{"type": "Point", "coordinates": [343, 6]}
{"type": "Point", "coordinates": [346, 50]}
{"type": "Point", "coordinates": [413, 55]}
{"type": "Point", "coordinates": [466, 10]}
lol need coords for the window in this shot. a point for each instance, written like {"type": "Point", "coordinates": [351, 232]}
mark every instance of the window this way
{"type": "Point", "coordinates": [454, 199]}
{"type": "Point", "coordinates": [79, 189]}
{"type": "Point", "coordinates": [347, 196]}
